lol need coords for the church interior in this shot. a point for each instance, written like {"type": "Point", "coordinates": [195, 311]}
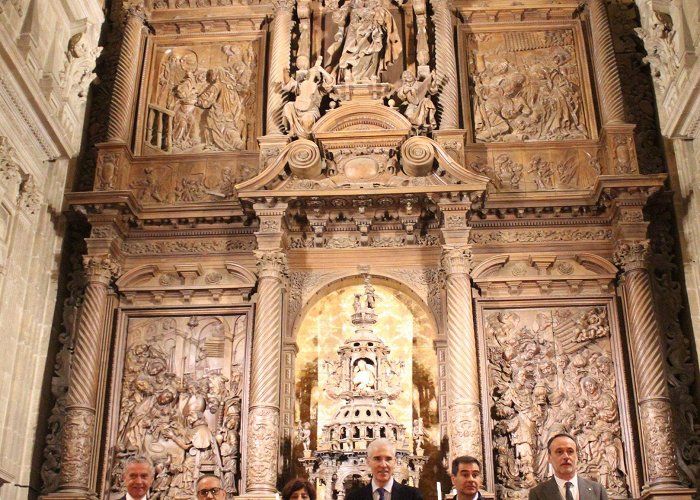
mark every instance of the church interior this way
{"type": "Point", "coordinates": [248, 237]}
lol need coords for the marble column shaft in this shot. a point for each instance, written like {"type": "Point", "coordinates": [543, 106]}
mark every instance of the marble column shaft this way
{"type": "Point", "coordinates": [79, 427]}
{"type": "Point", "coordinates": [605, 66]}
{"type": "Point", "coordinates": [462, 369]}
{"type": "Point", "coordinates": [279, 60]}
{"type": "Point", "coordinates": [124, 92]}
{"type": "Point", "coordinates": [446, 64]}
{"type": "Point", "coordinates": [649, 366]}
{"type": "Point", "coordinates": [263, 426]}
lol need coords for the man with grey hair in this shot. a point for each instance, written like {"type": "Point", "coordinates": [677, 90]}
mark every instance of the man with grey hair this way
{"type": "Point", "coordinates": [137, 477]}
{"type": "Point", "coordinates": [381, 458]}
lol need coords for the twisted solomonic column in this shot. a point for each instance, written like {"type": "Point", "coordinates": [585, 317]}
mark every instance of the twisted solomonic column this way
{"type": "Point", "coordinates": [279, 60]}
{"type": "Point", "coordinates": [124, 91]}
{"type": "Point", "coordinates": [79, 426]}
{"type": "Point", "coordinates": [446, 64]}
{"type": "Point", "coordinates": [464, 407]}
{"type": "Point", "coordinates": [263, 421]}
{"type": "Point", "coordinates": [649, 366]}
{"type": "Point", "coordinates": [605, 67]}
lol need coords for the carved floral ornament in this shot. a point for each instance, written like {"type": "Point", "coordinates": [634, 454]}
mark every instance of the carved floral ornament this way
{"type": "Point", "coordinates": [632, 255]}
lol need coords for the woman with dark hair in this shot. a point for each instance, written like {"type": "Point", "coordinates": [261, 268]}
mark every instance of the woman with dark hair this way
{"type": "Point", "coordinates": [298, 489]}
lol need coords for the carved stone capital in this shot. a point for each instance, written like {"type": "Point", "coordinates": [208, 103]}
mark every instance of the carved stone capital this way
{"type": "Point", "coordinates": [136, 12]}
{"type": "Point", "coordinates": [456, 260]}
{"type": "Point", "coordinates": [284, 5]}
{"type": "Point", "coordinates": [263, 434]}
{"type": "Point", "coordinates": [272, 264]}
{"type": "Point", "coordinates": [631, 255]}
{"type": "Point", "coordinates": [100, 269]}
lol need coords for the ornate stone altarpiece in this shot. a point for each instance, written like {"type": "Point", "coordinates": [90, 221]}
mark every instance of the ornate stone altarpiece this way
{"type": "Point", "coordinates": [531, 198]}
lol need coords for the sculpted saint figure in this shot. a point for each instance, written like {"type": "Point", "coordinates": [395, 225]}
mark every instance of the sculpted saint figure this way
{"type": "Point", "coordinates": [301, 114]}
{"type": "Point", "coordinates": [363, 377]}
{"type": "Point", "coordinates": [225, 116]}
{"type": "Point", "coordinates": [418, 107]}
{"type": "Point", "coordinates": [368, 43]}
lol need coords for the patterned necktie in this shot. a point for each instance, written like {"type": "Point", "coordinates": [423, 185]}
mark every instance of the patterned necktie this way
{"type": "Point", "coordinates": [381, 493]}
{"type": "Point", "coordinates": [569, 495]}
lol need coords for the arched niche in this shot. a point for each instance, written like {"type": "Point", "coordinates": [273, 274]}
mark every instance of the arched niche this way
{"type": "Point", "coordinates": [406, 326]}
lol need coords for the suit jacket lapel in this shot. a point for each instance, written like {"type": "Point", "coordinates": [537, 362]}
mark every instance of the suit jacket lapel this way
{"type": "Point", "coordinates": [551, 489]}
{"type": "Point", "coordinates": [585, 492]}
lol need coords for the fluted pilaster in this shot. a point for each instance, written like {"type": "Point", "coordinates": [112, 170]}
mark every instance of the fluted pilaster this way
{"type": "Point", "coordinates": [124, 91]}
{"type": "Point", "coordinates": [279, 60]}
{"type": "Point", "coordinates": [605, 67]}
{"type": "Point", "coordinates": [649, 372]}
{"type": "Point", "coordinates": [263, 430]}
{"type": "Point", "coordinates": [446, 64]}
{"type": "Point", "coordinates": [79, 428]}
{"type": "Point", "coordinates": [462, 369]}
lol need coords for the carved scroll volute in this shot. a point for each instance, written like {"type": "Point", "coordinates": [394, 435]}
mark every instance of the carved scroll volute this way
{"type": "Point", "coordinates": [79, 428]}
{"type": "Point", "coordinates": [648, 365]}
{"type": "Point", "coordinates": [263, 429]}
{"type": "Point", "coordinates": [125, 82]}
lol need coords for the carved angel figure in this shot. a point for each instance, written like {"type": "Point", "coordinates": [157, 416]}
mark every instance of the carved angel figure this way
{"type": "Point", "coordinates": [301, 114]}
{"type": "Point", "coordinates": [418, 106]}
{"type": "Point", "coordinates": [367, 40]}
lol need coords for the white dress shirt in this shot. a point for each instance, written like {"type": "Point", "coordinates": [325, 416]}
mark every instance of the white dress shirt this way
{"type": "Point", "coordinates": [129, 497]}
{"type": "Point", "coordinates": [561, 484]}
{"type": "Point", "coordinates": [387, 489]}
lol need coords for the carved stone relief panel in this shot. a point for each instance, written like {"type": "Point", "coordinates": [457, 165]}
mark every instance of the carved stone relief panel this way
{"type": "Point", "coordinates": [551, 369]}
{"type": "Point", "coordinates": [202, 95]}
{"type": "Point", "coordinates": [181, 399]}
{"type": "Point", "coordinates": [195, 181]}
{"type": "Point", "coordinates": [527, 85]}
{"type": "Point", "coordinates": [541, 169]}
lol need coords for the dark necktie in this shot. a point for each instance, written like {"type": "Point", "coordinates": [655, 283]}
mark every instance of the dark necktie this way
{"type": "Point", "coordinates": [381, 493]}
{"type": "Point", "coordinates": [569, 495]}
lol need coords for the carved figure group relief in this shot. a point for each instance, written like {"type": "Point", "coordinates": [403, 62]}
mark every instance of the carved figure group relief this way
{"type": "Point", "coordinates": [203, 98]}
{"type": "Point", "coordinates": [180, 401]}
{"type": "Point", "coordinates": [544, 170]}
{"type": "Point", "coordinates": [189, 182]}
{"type": "Point", "coordinates": [193, 4]}
{"type": "Point", "coordinates": [525, 86]}
{"type": "Point", "coordinates": [551, 370]}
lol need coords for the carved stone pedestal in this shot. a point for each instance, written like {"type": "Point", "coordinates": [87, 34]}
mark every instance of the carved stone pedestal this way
{"type": "Point", "coordinates": [669, 494]}
{"type": "Point", "coordinates": [66, 495]}
{"type": "Point", "coordinates": [257, 496]}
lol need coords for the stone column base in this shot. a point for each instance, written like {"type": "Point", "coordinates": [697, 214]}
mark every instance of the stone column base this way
{"type": "Point", "coordinates": [260, 496]}
{"type": "Point", "coordinates": [668, 493]}
{"type": "Point", "coordinates": [69, 495]}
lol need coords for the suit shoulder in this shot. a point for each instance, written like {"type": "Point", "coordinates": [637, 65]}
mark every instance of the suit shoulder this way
{"type": "Point", "coordinates": [359, 493]}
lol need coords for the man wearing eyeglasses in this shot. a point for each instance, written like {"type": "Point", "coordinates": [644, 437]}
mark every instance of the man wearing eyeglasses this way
{"type": "Point", "coordinates": [209, 486]}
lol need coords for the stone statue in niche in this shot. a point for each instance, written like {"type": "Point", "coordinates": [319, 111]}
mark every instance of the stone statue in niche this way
{"type": "Point", "coordinates": [544, 376]}
{"type": "Point", "coordinates": [180, 412]}
{"type": "Point", "coordinates": [417, 104]}
{"type": "Point", "coordinates": [301, 114]}
{"type": "Point", "coordinates": [197, 108]}
{"type": "Point", "coordinates": [367, 40]}
{"type": "Point", "coordinates": [525, 87]}
{"type": "Point", "coordinates": [363, 378]}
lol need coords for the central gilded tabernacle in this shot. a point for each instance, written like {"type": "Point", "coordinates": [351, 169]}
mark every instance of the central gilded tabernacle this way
{"type": "Point", "coordinates": [367, 381]}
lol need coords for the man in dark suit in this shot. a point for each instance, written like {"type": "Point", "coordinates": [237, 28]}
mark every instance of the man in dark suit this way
{"type": "Point", "coordinates": [381, 458]}
{"type": "Point", "coordinates": [566, 484]}
{"type": "Point", "coordinates": [466, 477]}
{"type": "Point", "coordinates": [137, 477]}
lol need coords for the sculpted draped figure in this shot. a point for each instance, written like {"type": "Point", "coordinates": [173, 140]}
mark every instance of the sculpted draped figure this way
{"type": "Point", "coordinates": [367, 40]}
